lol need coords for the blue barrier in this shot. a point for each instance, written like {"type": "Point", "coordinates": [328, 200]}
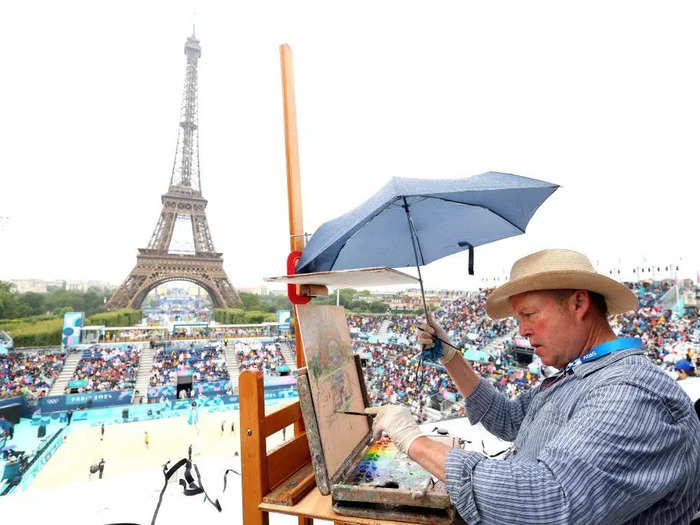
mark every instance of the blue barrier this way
{"type": "Point", "coordinates": [93, 399]}
{"type": "Point", "coordinates": [25, 408]}
{"type": "Point", "coordinates": [210, 388]}
{"type": "Point", "coordinates": [215, 388]}
{"type": "Point", "coordinates": [43, 458]}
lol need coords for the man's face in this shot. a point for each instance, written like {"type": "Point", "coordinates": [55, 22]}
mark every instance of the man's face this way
{"type": "Point", "coordinates": [551, 326]}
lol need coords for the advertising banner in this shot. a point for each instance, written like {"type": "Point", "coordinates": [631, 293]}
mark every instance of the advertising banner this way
{"type": "Point", "coordinates": [72, 325]}
{"type": "Point", "coordinates": [88, 399]}
{"type": "Point", "coordinates": [284, 318]}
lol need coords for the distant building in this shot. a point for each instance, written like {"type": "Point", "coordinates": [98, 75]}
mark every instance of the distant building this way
{"type": "Point", "coordinates": [42, 286]}
{"type": "Point", "coordinates": [258, 290]}
{"type": "Point", "coordinates": [84, 286]}
{"type": "Point", "coordinates": [29, 285]}
{"type": "Point", "coordinates": [59, 284]}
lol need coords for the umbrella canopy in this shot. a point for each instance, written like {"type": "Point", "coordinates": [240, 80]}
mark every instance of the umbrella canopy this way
{"type": "Point", "coordinates": [448, 216]}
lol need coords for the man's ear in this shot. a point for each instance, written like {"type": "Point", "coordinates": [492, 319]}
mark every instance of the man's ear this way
{"type": "Point", "coordinates": [580, 300]}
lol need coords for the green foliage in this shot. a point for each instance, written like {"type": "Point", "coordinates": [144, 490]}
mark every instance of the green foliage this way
{"type": "Point", "coordinates": [14, 305]}
{"type": "Point", "coordinates": [264, 303]}
{"type": "Point", "coordinates": [238, 316]}
{"type": "Point", "coordinates": [256, 309]}
{"type": "Point", "coordinates": [125, 317]}
{"type": "Point", "coordinates": [88, 302]}
{"type": "Point", "coordinates": [229, 315]}
{"type": "Point", "coordinates": [378, 307]}
{"type": "Point", "coordinates": [255, 317]}
{"type": "Point", "coordinates": [33, 301]}
{"type": "Point", "coordinates": [45, 332]}
{"type": "Point", "coordinates": [8, 301]}
{"type": "Point", "coordinates": [348, 300]}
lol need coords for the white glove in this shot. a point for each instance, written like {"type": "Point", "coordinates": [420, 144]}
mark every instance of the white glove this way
{"type": "Point", "coordinates": [398, 422]}
{"type": "Point", "coordinates": [426, 339]}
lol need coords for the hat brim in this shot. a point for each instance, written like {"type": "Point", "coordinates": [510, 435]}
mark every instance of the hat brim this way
{"type": "Point", "coordinates": [618, 297]}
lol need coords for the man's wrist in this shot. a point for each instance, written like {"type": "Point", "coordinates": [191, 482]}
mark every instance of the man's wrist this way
{"type": "Point", "coordinates": [415, 446]}
{"type": "Point", "coordinates": [449, 353]}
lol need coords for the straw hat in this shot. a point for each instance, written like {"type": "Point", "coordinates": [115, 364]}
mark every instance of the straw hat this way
{"type": "Point", "coordinates": [558, 270]}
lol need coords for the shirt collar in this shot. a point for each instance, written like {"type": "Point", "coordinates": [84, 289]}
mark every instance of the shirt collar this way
{"type": "Point", "coordinates": [585, 369]}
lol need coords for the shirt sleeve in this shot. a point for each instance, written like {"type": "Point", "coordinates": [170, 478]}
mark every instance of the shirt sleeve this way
{"type": "Point", "coordinates": [609, 462]}
{"type": "Point", "coordinates": [500, 416]}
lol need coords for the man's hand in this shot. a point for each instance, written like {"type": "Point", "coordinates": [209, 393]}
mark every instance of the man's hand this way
{"type": "Point", "coordinates": [435, 349]}
{"type": "Point", "coordinates": [398, 422]}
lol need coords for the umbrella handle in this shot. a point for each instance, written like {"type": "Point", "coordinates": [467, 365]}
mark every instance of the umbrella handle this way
{"type": "Point", "coordinates": [434, 353]}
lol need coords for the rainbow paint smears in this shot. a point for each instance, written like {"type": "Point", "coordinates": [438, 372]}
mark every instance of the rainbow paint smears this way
{"type": "Point", "coordinates": [384, 466]}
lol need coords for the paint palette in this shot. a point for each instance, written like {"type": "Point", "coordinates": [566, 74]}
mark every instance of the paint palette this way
{"type": "Point", "coordinates": [374, 480]}
{"type": "Point", "coordinates": [383, 466]}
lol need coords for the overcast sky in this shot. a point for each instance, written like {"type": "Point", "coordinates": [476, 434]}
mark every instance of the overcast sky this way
{"type": "Point", "coordinates": [602, 98]}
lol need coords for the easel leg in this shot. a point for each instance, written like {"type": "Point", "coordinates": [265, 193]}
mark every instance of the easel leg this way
{"type": "Point", "coordinates": [255, 482]}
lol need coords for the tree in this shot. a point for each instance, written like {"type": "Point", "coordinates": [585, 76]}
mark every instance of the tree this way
{"type": "Point", "coordinates": [33, 301]}
{"type": "Point", "coordinates": [251, 301]}
{"type": "Point", "coordinates": [8, 301]}
{"type": "Point", "coordinates": [378, 307]}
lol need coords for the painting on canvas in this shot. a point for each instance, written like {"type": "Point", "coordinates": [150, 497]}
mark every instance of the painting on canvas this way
{"type": "Point", "coordinates": [335, 385]}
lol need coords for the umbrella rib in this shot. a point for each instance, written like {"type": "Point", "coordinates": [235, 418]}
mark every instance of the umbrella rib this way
{"type": "Point", "coordinates": [358, 228]}
{"type": "Point", "coordinates": [483, 207]}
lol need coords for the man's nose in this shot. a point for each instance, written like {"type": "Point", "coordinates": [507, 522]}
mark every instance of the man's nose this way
{"type": "Point", "coordinates": [524, 330]}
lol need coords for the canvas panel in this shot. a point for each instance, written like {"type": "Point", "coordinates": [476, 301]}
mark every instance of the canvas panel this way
{"type": "Point", "coordinates": [334, 382]}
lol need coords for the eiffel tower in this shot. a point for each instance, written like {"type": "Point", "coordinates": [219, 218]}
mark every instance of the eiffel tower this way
{"type": "Point", "coordinates": [169, 257]}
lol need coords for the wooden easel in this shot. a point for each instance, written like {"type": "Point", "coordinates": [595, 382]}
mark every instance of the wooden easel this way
{"type": "Point", "coordinates": [283, 479]}
{"type": "Point", "coordinates": [261, 471]}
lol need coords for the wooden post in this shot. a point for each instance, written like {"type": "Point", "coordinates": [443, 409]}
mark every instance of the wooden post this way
{"type": "Point", "coordinates": [254, 473]}
{"type": "Point", "coordinates": [291, 143]}
{"type": "Point", "coordinates": [296, 223]}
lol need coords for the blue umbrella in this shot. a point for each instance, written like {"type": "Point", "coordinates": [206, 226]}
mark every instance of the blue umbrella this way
{"type": "Point", "coordinates": [416, 221]}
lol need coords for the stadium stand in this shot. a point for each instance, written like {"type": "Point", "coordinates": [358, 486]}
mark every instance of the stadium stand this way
{"type": "Point", "coordinates": [31, 373]}
{"type": "Point", "coordinates": [102, 369]}
{"type": "Point", "coordinates": [206, 363]}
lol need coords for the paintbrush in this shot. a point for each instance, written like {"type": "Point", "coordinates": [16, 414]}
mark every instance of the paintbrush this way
{"type": "Point", "coordinates": [350, 413]}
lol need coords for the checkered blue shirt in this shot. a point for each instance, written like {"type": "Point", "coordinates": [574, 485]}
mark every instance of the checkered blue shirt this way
{"type": "Point", "coordinates": [616, 441]}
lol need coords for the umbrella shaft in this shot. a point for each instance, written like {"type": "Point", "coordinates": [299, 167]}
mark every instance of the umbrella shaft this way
{"type": "Point", "coordinates": [414, 240]}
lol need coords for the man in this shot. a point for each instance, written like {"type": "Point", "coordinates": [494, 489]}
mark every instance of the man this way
{"type": "Point", "coordinates": [97, 468]}
{"type": "Point", "coordinates": [611, 439]}
{"type": "Point", "coordinates": [687, 379]}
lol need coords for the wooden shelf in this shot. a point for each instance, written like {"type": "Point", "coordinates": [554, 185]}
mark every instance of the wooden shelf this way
{"type": "Point", "coordinates": [315, 505]}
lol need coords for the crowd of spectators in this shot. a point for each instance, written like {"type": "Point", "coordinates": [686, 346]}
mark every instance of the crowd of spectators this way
{"type": "Point", "coordinates": [393, 375]}
{"type": "Point", "coordinates": [391, 365]}
{"type": "Point", "coordinates": [466, 322]}
{"type": "Point", "coordinates": [206, 363]}
{"type": "Point", "coordinates": [103, 369]}
{"type": "Point", "coordinates": [29, 373]}
{"type": "Point", "coordinates": [668, 338]}
{"type": "Point", "coordinates": [366, 324]}
{"type": "Point", "coordinates": [267, 357]}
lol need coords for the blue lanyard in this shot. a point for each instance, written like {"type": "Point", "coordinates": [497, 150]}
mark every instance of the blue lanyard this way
{"type": "Point", "coordinates": [623, 343]}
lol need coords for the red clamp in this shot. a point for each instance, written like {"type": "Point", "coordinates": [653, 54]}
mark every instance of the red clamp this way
{"type": "Point", "coordinates": [292, 294]}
